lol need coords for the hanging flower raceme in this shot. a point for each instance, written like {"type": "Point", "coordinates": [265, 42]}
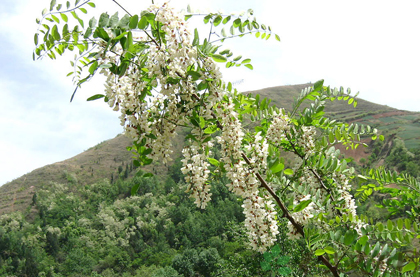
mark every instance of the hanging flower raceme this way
{"type": "Point", "coordinates": [196, 170]}
{"type": "Point", "coordinates": [260, 221]}
{"type": "Point", "coordinates": [278, 128]}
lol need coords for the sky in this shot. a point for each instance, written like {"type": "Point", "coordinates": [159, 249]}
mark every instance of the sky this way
{"type": "Point", "coordinates": [369, 46]}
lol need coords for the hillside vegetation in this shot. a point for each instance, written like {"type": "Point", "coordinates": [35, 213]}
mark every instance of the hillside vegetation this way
{"type": "Point", "coordinates": [78, 218]}
{"type": "Point", "coordinates": [101, 230]}
{"type": "Point", "coordinates": [110, 158]}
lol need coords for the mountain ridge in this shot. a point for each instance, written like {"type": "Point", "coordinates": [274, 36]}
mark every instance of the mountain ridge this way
{"type": "Point", "coordinates": [110, 159]}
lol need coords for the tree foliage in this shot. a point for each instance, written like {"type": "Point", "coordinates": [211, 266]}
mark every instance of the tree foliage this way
{"type": "Point", "coordinates": [161, 76]}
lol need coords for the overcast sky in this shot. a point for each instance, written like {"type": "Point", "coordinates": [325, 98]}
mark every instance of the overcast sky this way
{"type": "Point", "coordinates": [370, 46]}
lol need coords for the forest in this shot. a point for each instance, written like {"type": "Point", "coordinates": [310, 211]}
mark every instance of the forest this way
{"type": "Point", "coordinates": [101, 230]}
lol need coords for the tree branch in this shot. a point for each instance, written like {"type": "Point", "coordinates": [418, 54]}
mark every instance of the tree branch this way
{"type": "Point", "coordinates": [280, 203]}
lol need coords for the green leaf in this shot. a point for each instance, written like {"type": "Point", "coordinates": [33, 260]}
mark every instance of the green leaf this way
{"type": "Point", "coordinates": [277, 37]}
{"type": "Point", "coordinates": [329, 250]}
{"type": "Point", "coordinates": [408, 267]}
{"type": "Point", "coordinates": [83, 10]}
{"type": "Point", "coordinates": [232, 30]}
{"type": "Point", "coordinates": [55, 33]}
{"type": "Point", "coordinates": [207, 18]}
{"type": "Point", "coordinates": [93, 67]}
{"type": "Point", "coordinates": [219, 58]}
{"type": "Point", "coordinates": [363, 240]}
{"type": "Point", "coordinates": [95, 97]}
{"type": "Point", "coordinates": [284, 271]}
{"type": "Point", "coordinates": [113, 21]}
{"type": "Point", "coordinates": [194, 74]}
{"type": "Point", "coordinates": [266, 266]}
{"type": "Point", "coordinates": [249, 66]}
{"type": "Point", "coordinates": [268, 257]}
{"type": "Point", "coordinates": [143, 23]}
{"type": "Point", "coordinates": [91, 4]}
{"type": "Point", "coordinates": [88, 32]}
{"type": "Point", "coordinates": [64, 17]}
{"type": "Point", "coordinates": [202, 86]}
{"type": "Point", "coordinates": [217, 20]}
{"type": "Point", "coordinates": [202, 122]}
{"type": "Point", "coordinates": [213, 161]}
{"type": "Point", "coordinates": [122, 68]}
{"type": "Point", "coordinates": [100, 32]}
{"type": "Point", "coordinates": [134, 20]}
{"type": "Point", "coordinates": [196, 39]}
{"type": "Point", "coordinates": [283, 260]}
{"type": "Point", "coordinates": [36, 39]}
{"type": "Point", "coordinates": [302, 205]}
{"type": "Point", "coordinates": [103, 20]}
{"type": "Point", "coordinates": [135, 188]}
{"type": "Point", "coordinates": [288, 171]}
{"type": "Point", "coordinates": [237, 58]}
{"type": "Point", "coordinates": [318, 85]}
{"type": "Point", "coordinates": [237, 22]}
{"type": "Point", "coordinates": [148, 175]}
{"type": "Point", "coordinates": [150, 18]}
{"type": "Point", "coordinates": [319, 252]}
{"type": "Point", "coordinates": [55, 18]}
{"type": "Point", "coordinates": [277, 167]}
{"type": "Point", "coordinates": [226, 20]}
{"type": "Point", "coordinates": [92, 22]}
{"type": "Point", "coordinates": [276, 251]}
{"type": "Point", "coordinates": [52, 4]}
{"type": "Point", "coordinates": [407, 223]}
{"type": "Point", "coordinates": [229, 87]}
{"type": "Point", "coordinates": [390, 225]}
{"type": "Point", "coordinates": [349, 237]}
{"type": "Point", "coordinates": [246, 61]}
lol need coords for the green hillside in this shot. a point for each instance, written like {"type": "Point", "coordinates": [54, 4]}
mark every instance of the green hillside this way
{"type": "Point", "coordinates": [77, 217]}
{"type": "Point", "coordinates": [110, 159]}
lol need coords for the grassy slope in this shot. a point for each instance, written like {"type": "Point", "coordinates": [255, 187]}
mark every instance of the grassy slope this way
{"type": "Point", "coordinates": [104, 159]}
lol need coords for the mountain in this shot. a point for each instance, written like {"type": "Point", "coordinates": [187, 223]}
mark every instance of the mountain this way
{"type": "Point", "coordinates": [110, 159]}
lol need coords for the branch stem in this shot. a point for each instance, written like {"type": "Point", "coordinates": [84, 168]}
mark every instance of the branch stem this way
{"type": "Point", "coordinates": [281, 205]}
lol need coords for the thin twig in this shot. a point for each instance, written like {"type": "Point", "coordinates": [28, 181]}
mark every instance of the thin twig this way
{"type": "Point", "coordinates": [122, 7]}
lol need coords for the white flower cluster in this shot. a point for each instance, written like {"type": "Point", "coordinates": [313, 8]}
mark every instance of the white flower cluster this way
{"type": "Point", "coordinates": [306, 140]}
{"type": "Point", "coordinates": [349, 204]}
{"type": "Point", "coordinates": [343, 190]}
{"type": "Point", "coordinates": [259, 212]}
{"type": "Point", "coordinates": [195, 168]}
{"type": "Point", "coordinates": [258, 152]}
{"type": "Point", "coordinates": [152, 120]}
{"type": "Point", "coordinates": [260, 221]}
{"type": "Point", "coordinates": [302, 217]}
{"type": "Point", "coordinates": [278, 128]}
